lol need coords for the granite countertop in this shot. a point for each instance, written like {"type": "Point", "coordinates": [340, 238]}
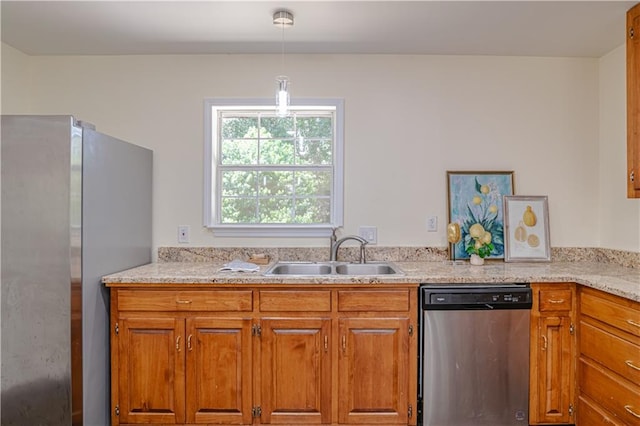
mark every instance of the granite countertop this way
{"type": "Point", "coordinates": [613, 279]}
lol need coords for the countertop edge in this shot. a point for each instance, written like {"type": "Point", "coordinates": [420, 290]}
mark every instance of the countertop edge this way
{"type": "Point", "coordinates": [616, 280]}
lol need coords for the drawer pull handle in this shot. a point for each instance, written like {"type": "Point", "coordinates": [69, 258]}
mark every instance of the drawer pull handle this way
{"type": "Point", "coordinates": [344, 343]}
{"type": "Point", "coordinates": [632, 322]}
{"type": "Point", "coordinates": [183, 302]}
{"type": "Point", "coordinates": [178, 343]}
{"type": "Point", "coordinates": [556, 301]}
{"type": "Point", "coordinates": [630, 411]}
{"type": "Point", "coordinates": [544, 346]}
{"type": "Point", "coordinates": [632, 365]}
{"type": "Point", "coordinates": [326, 343]}
{"type": "Point", "coordinates": [189, 347]}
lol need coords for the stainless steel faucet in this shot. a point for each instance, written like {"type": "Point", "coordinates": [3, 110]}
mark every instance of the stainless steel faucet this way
{"type": "Point", "coordinates": [335, 246]}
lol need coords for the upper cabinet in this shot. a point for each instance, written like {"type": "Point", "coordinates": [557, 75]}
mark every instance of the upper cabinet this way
{"type": "Point", "coordinates": [633, 102]}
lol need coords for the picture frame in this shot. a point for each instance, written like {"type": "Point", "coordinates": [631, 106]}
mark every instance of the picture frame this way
{"type": "Point", "coordinates": [476, 197]}
{"type": "Point", "coordinates": [526, 221]}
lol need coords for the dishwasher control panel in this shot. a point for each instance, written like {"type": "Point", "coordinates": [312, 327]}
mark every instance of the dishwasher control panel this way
{"type": "Point", "coordinates": [464, 297]}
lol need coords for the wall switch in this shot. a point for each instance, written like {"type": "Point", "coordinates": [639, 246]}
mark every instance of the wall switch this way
{"type": "Point", "coordinates": [369, 233]}
{"type": "Point", "coordinates": [432, 223]}
{"type": "Point", "coordinates": [183, 234]}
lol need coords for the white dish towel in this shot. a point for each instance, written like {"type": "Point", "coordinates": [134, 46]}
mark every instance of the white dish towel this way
{"type": "Point", "coordinates": [238, 265]}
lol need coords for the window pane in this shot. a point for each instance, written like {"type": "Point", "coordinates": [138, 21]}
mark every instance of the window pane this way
{"type": "Point", "coordinates": [239, 210]}
{"type": "Point", "coordinates": [276, 210]}
{"type": "Point", "coordinates": [313, 183]}
{"type": "Point", "coordinates": [276, 183]}
{"type": "Point", "coordinates": [314, 127]}
{"type": "Point", "coordinates": [239, 127]}
{"type": "Point", "coordinates": [276, 127]}
{"type": "Point", "coordinates": [313, 210]}
{"type": "Point", "coordinates": [276, 152]}
{"type": "Point", "coordinates": [239, 151]}
{"type": "Point", "coordinates": [313, 151]}
{"type": "Point", "coordinates": [239, 183]}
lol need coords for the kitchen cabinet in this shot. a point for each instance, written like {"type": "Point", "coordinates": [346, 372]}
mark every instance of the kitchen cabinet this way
{"type": "Point", "coordinates": [553, 350]}
{"type": "Point", "coordinates": [633, 102]}
{"type": "Point", "coordinates": [374, 357]}
{"type": "Point", "coordinates": [181, 357]}
{"type": "Point", "coordinates": [325, 354]}
{"type": "Point", "coordinates": [609, 360]}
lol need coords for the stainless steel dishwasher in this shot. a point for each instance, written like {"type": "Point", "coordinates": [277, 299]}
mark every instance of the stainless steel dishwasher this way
{"type": "Point", "coordinates": [474, 355]}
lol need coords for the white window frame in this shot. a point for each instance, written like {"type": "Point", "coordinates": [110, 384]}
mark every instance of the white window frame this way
{"type": "Point", "coordinates": [211, 197]}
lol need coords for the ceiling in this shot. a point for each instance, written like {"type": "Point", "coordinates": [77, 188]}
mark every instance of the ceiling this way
{"type": "Point", "coordinates": [523, 28]}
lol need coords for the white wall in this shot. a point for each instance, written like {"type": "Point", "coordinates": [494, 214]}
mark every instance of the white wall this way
{"type": "Point", "coordinates": [15, 89]}
{"type": "Point", "coordinates": [409, 119]}
{"type": "Point", "coordinates": [619, 216]}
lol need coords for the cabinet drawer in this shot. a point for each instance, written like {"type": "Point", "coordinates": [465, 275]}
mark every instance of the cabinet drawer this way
{"type": "Point", "coordinates": [295, 301]}
{"type": "Point", "coordinates": [590, 414]}
{"type": "Point", "coordinates": [615, 353]}
{"type": "Point", "coordinates": [195, 300]}
{"type": "Point", "coordinates": [617, 312]}
{"type": "Point", "coordinates": [373, 300]}
{"type": "Point", "coordinates": [614, 394]}
{"type": "Point", "coordinates": [553, 300]}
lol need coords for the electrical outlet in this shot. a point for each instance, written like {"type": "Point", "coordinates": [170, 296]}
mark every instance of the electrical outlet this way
{"type": "Point", "coordinates": [183, 234]}
{"type": "Point", "coordinates": [432, 223]}
{"type": "Point", "coordinates": [369, 233]}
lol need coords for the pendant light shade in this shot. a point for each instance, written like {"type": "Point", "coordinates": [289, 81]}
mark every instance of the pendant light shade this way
{"type": "Point", "coordinates": [282, 95]}
{"type": "Point", "coordinates": [282, 19]}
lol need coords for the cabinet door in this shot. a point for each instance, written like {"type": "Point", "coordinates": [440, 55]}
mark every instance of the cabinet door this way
{"type": "Point", "coordinates": [218, 370]}
{"type": "Point", "coordinates": [374, 370]}
{"type": "Point", "coordinates": [633, 102]}
{"type": "Point", "coordinates": [151, 370]}
{"type": "Point", "coordinates": [553, 370]}
{"type": "Point", "coordinates": [295, 371]}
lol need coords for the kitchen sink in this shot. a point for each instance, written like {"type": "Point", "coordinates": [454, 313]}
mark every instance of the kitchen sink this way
{"type": "Point", "coordinates": [366, 269]}
{"type": "Point", "coordinates": [296, 268]}
{"type": "Point", "coordinates": [333, 268]}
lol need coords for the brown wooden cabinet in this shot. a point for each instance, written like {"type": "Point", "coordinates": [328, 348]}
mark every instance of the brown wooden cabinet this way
{"type": "Point", "coordinates": [633, 102]}
{"type": "Point", "coordinates": [325, 354]}
{"type": "Point", "coordinates": [150, 370]}
{"type": "Point", "coordinates": [553, 351]}
{"type": "Point", "coordinates": [609, 362]}
{"type": "Point", "coordinates": [296, 371]}
{"type": "Point", "coordinates": [374, 373]}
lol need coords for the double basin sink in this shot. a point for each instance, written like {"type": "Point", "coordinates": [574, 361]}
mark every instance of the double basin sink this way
{"type": "Point", "coordinates": [333, 268]}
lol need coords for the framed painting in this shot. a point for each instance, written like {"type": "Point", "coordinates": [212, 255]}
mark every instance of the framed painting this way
{"type": "Point", "coordinates": [476, 198]}
{"type": "Point", "coordinates": [526, 221]}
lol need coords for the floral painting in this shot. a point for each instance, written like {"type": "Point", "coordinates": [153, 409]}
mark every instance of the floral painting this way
{"type": "Point", "coordinates": [475, 204]}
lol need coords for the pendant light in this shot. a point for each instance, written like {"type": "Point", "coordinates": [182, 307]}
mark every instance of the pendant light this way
{"type": "Point", "coordinates": [282, 19]}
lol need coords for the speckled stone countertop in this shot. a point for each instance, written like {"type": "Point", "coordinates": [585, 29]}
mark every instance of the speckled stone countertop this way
{"type": "Point", "coordinates": [611, 278]}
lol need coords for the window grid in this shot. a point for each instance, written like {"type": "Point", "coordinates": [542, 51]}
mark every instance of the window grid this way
{"type": "Point", "coordinates": [295, 168]}
{"type": "Point", "coordinates": [316, 163]}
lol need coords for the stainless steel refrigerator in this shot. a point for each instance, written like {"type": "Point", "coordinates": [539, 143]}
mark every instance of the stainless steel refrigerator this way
{"type": "Point", "coordinates": [76, 205]}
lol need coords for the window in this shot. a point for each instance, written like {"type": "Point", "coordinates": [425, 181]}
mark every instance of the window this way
{"type": "Point", "coordinates": [267, 175]}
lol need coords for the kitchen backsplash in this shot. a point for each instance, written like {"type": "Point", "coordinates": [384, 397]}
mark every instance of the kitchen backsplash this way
{"type": "Point", "coordinates": [397, 254]}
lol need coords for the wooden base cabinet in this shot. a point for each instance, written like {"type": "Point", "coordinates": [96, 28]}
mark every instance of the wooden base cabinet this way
{"type": "Point", "coordinates": [264, 355]}
{"type": "Point", "coordinates": [374, 373]}
{"type": "Point", "coordinates": [609, 363]}
{"type": "Point", "coordinates": [553, 353]}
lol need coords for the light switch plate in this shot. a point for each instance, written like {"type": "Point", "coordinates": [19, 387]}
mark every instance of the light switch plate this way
{"type": "Point", "coordinates": [432, 223]}
{"type": "Point", "coordinates": [183, 234]}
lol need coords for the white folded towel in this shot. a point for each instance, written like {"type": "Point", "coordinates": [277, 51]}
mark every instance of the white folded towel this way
{"type": "Point", "coordinates": [238, 265]}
